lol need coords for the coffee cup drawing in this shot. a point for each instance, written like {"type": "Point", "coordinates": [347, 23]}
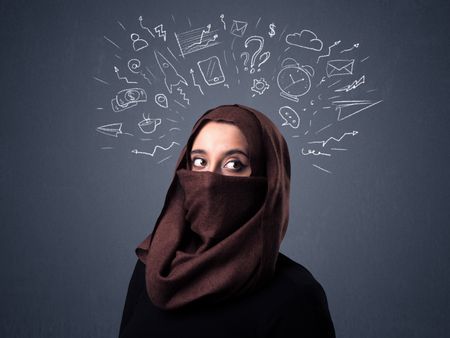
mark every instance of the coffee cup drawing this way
{"type": "Point", "coordinates": [148, 125]}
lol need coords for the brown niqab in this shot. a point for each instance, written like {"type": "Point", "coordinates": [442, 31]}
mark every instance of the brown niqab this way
{"type": "Point", "coordinates": [218, 236]}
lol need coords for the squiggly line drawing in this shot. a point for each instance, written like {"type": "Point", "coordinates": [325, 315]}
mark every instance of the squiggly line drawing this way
{"type": "Point", "coordinates": [122, 77]}
{"type": "Point", "coordinates": [313, 152]}
{"type": "Point", "coordinates": [222, 16]}
{"type": "Point", "coordinates": [352, 133]}
{"type": "Point", "coordinates": [195, 83]}
{"type": "Point", "coordinates": [356, 45]}
{"type": "Point", "coordinates": [135, 151]}
{"type": "Point", "coordinates": [183, 94]}
{"type": "Point", "coordinates": [145, 28]}
{"type": "Point", "coordinates": [329, 50]}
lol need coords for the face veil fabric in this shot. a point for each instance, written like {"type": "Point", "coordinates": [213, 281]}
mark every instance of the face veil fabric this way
{"type": "Point", "coordinates": [218, 236]}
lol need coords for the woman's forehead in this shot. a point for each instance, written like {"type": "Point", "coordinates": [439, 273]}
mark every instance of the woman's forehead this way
{"type": "Point", "coordinates": [219, 134]}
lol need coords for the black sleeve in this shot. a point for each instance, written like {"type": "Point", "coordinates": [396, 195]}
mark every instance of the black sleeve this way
{"type": "Point", "coordinates": [135, 287]}
{"type": "Point", "coordinates": [306, 315]}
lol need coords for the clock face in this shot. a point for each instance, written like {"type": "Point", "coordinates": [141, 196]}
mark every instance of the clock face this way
{"type": "Point", "coordinates": [294, 81]}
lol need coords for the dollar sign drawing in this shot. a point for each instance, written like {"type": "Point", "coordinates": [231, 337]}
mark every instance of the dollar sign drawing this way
{"type": "Point", "coordinates": [272, 30]}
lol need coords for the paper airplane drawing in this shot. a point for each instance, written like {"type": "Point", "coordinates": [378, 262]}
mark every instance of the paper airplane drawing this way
{"type": "Point", "coordinates": [347, 109]}
{"type": "Point", "coordinates": [113, 129]}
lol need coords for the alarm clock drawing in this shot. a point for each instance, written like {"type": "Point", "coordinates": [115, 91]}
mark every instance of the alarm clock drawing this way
{"type": "Point", "coordinates": [294, 80]}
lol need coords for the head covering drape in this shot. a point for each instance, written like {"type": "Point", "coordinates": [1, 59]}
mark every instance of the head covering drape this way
{"type": "Point", "coordinates": [218, 236]}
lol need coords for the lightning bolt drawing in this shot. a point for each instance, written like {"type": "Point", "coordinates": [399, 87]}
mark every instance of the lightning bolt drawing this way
{"type": "Point", "coordinates": [184, 95]}
{"type": "Point", "coordinates": [161, 32]}
{"type": "Point", "coordinates": [353, 85]}
{"type": "Point", "coordinates": [353, 133]}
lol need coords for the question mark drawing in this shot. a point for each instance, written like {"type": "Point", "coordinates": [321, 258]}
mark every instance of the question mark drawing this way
{"type": "Point", "coordinates": [265, 56]}
{"type": "Point", "coordinates": [247, 56]}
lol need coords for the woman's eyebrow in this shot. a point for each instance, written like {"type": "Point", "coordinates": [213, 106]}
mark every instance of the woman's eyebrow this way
{"type": "Point", "coordinates": [227, 153]}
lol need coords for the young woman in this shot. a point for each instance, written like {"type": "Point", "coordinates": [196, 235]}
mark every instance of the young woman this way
{"type": "Point", "coordinates": [212, 266]}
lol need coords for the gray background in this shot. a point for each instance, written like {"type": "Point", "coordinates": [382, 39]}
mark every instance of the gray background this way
{"type": "Point", "coordinates": [374, 232]}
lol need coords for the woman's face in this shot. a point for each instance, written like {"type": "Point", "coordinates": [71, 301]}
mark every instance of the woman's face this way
{"type": "Point", "coordinates": [222, 148]}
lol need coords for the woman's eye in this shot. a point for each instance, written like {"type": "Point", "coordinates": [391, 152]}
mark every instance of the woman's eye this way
{"type": "Point", "coordinates": [235, 165]}
{"type": "Point", "coordinates": [198, 162]}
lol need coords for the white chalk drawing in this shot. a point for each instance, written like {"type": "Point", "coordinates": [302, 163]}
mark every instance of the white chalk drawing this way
{"type": "Point", "coordinates": [238, 28]}
{"type": "Point", "coordinates": [282, 32]}
{"type": "Point", "coordinates": [313, 152]}
{"type": "Point", "coordinates": [179, 103]}
{"type": "Point", "coordinates": [164, 159]}
{"type": "Point", "coordinates": [272, 30]}
{"type": "Point", "coordinates": [340, 67]}
{"type": "Point", "coordinates": [211, 70]}
{"type": "Point", "coordinates": [112, 42]}
{"type": "Point", "coordinates": [121, 25]}
{"type": "Point", "coordinates": [246, 56]}
{"type": "Point", "coordinates": [257, 22]}
{"type": "Point", "coordinates": [116, 70]}
{"type": "Point", "coordinates": [259, 86]}
{"type": "Point", "coordinates": [113, 129]}
{"type": "Point", "coordinates": [195, 83]}
{"type": "Point", "coordinates": [148, 125]}
{"type": "Point", "coordinates": [261, 58]}
{"type": "Point", "coordinates": [305, 39]}
{"type": "Point", "coordinates": [100, 80]}
{"type": "Point", "coordinates": [196, 39]}
{"type": "Point", "coordinates": [351, 86]}
{"type": "Point", "coordinates": [138, 42]}
{"type": "Point", "coordinates": [183, 95]}
{"type": "Point", "coordinates": [161, 32]}
{"type": "Point", "coordinates": [362, 60]}
{"type": "Point", "coordinates": [334, 83]}
{"type": "Point", "coordinates": [135, 151]}
{"type": "Point", "coordinates": [356, 45]}
{"type": "Point", "coordinates": [171, 53]}
{"type": "Point", "coordinates": [128, 98]}
{"type": "Point", "coordinates": [322, 80]}
{"type": "Point", "coordinates": [171, 76]}
{"type": "Point", "coordinates": [350, 108]}
{"type": "Point", "coordinates": [145, 28]}
{"type": "Point", "coordinates": [294, 80]}
{"type": "Point", "coordinates": [161, 100]}
{"type": "Point", "coordinates": [222, 16]}
{"type": "Point", "coordinates": [320, 168]}
{"type": "Point", "coordinates": [134, 65]}
{"type": "Point", "coordinates": [294, 77]}
{"type": "Point", "coordinates": [323, 128]}
{"type": "Point", "coordinates": [329, 51]}
{"type": "Point", "coordinates": [324, 143]}
{"type": "Point", "coordinates": [289, 116]}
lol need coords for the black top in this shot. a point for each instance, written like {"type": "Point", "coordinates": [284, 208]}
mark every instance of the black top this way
{"type": "Point", "coordinates": [292, 304]}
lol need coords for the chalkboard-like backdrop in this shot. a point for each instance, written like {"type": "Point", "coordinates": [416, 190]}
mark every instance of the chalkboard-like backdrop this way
{"type": "Point", "coordinates": [79, 189]}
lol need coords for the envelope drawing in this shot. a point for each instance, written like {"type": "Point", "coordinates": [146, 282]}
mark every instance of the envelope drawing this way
{"type": "Point", "coordinates": [238, 28]}
{"type": "Point", "coordinates": [340, 67]}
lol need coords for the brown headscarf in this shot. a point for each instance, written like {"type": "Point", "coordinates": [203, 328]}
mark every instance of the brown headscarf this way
{"type": "Point", "coordinates": [218, 236]}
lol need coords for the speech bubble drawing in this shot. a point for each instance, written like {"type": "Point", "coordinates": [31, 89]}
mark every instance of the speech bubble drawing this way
{"type": "Point", "coordinates": [289, 116]}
